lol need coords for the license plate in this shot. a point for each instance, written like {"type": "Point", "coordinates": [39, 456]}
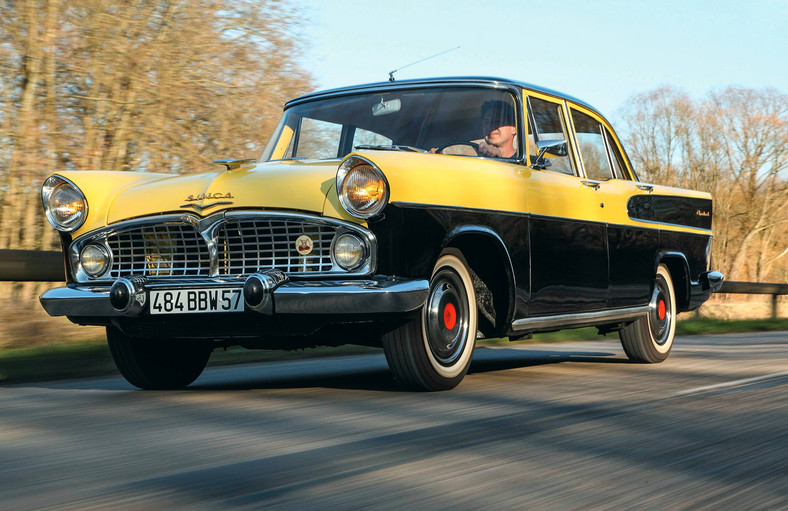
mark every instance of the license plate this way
{"type": "Point", "coordinates": [185, 301]}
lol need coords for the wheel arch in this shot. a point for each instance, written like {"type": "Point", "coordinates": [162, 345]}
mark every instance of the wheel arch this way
{"type": "Point", "coordinates": [495, 273]}
{"type": "Point", "coordinates": [678, 266]}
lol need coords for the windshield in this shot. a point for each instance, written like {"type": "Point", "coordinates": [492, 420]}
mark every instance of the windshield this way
{"type": "Point", "coordinates": [458, 121]}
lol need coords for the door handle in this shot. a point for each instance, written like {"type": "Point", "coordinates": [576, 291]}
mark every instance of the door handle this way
{"type": "Point", "coordinates": [591, 184]}
{"type": "Point", "coordinates": [646, 188]}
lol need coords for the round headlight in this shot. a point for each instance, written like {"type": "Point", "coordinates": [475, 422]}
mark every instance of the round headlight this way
{"type": "Point", "coordinates": [64, 204]}
{"type": "Point", "coordinates": [362, 187]}
{"type": "Point", "coordinates": [94, 260]}
{"type": "Point", "coordinates": [349, 251]}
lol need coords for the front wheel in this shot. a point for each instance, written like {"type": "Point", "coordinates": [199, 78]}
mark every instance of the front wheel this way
{"type": "Point", "coordinates": [650, 339]}
{"type": "Point", "coordinates": [157, 364]}
{"type": "Point", "coordinates": [433, 351]}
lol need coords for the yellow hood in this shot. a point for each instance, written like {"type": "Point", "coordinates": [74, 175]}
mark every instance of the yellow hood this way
{"type": "Point", "coordinates": [292, 185]}
{"type": "Point", "coordinates": [282, 185]}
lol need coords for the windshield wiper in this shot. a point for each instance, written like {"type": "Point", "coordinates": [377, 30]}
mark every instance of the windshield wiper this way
{"type": "Point", "coordinates": [391, 147]}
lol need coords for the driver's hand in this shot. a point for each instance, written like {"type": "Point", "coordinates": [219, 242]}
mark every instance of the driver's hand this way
{"type": "Point", "coordinates": [486, 149]}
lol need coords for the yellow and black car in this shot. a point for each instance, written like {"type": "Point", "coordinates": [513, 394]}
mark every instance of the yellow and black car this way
{"type": "Point", "coordinates": [418, 216]}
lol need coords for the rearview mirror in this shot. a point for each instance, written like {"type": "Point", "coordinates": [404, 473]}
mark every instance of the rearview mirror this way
{"type": "Point", "coordinates": [386, 107]}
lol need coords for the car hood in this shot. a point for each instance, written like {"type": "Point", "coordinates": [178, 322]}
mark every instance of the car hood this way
{"type": "Point", "coordinates": [298, 186]}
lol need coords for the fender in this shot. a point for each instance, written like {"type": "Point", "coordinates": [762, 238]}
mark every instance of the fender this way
{"type": "Point", "coordinates": [665, 255]}
{"type": "Point", "coordinates": [503, 253]}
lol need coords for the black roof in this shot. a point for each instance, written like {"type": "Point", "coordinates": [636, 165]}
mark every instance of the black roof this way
{"type": "Point", "coordinates": [459, 80]}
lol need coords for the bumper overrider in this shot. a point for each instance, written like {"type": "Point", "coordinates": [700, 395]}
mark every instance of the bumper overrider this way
{"type": "Point", "coordinates": [267, 293]}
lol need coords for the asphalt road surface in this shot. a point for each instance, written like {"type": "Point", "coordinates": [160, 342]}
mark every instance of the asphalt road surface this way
{"type": "Point", "coordinates": [549, 426]}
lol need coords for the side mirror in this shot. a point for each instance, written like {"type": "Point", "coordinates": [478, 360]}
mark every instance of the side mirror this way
{"type": "Point", "coordinates": [557, 148]}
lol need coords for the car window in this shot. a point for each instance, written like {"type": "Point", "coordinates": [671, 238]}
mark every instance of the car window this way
{"type": "Point", "coordinates": [317, 140]}
{"type": "Point", "coordinates": [366, 137]}
{"type": "Point", "coordinates": [419, 119]}
{"type": "Point", "coordinates": [591, 143]}
{"type": "Point", "coordinates": [547, 122]}
{"type": "Point", "coordinates": [618, 161]}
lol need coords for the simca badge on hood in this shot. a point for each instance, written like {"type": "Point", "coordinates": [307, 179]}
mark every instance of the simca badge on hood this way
{"type": "Point", "coordinates": [207, 196]}
{"type": "Point", "coordinates": [304, 245]}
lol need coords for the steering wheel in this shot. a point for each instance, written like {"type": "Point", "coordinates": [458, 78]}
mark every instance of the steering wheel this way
{"type": "Point", "coordinates": [472, 145]}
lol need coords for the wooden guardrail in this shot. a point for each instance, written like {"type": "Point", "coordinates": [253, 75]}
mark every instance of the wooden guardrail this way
{"type": "Point", "coordinates": [756, 288]}
{"type": "Point", "coordinates": [32, 266]}
{"type": "Point", "coordinates": [47, 266]}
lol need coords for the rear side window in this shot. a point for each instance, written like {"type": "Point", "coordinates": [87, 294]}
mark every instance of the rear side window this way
{"type": "Point", "coordinates": [547, 123]}
{"type": "Point", "coordinates": [591, 143]}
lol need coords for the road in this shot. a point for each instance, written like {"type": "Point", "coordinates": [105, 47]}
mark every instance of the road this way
{"type": "Point", "coordinates": [534, 426]}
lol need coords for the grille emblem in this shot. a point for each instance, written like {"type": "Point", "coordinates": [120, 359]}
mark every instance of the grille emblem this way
{"type": "Point", "coordinates": [199, 207]}
{"type": "Point", "coordinates": [304, 245]}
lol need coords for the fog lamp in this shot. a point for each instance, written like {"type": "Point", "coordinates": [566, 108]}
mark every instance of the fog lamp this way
{"type": "Point", "coordinates": [349, 251]}
{"type": "Point", "coordinates": [94, 260]}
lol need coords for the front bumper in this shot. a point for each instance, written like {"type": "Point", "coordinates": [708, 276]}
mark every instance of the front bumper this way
{"type": "Point", "coordinates": [376, 295]}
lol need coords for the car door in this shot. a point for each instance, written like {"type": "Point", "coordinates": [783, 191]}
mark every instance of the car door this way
{"type": "Point", "coordinates": [631, 248]}
{"type": "Point", "coordinates": [569, 270]}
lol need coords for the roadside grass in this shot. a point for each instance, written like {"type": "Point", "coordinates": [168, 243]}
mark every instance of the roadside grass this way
{"type": "Point", "coordinates": [92, 358]}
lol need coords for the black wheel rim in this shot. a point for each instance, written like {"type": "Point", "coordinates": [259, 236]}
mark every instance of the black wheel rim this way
{"type": "Point", "coordinates": [660, 312]}
{"type": "Point", "coordinates": [447, 317]}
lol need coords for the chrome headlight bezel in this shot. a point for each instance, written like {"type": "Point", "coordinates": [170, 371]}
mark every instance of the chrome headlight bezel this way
{"type": "Point", "coordinates": [348, 169]}
{"type": "Point", "coordinates": [55, 186]}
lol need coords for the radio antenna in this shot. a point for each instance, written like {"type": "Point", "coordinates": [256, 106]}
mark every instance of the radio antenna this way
{"type": "Point", "coordinates": [391, 73]}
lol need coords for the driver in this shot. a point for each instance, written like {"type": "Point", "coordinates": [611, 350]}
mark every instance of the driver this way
{"type": "Point", "coordinates": [498, 127]}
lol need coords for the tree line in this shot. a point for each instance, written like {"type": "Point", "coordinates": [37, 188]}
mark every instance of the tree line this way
{"type": "Point", "coordinates": [163, 86]}
{"type": "Point", "coordinates": [170, 85]}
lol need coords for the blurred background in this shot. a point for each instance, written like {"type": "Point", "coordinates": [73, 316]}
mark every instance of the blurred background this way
{"type": "Point", "coordinates": [172, 85]}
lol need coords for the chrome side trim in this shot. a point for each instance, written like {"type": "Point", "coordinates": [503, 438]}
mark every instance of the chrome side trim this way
{"type": "Point", "coordinates": [570, 320]}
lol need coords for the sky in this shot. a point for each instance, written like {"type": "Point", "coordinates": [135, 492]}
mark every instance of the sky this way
{"type": "Point", "coordinates": [600, 51]}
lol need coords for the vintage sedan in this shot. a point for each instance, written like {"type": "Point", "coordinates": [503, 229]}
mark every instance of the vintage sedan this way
{"type": "Point", "coordinates": [417, 216]}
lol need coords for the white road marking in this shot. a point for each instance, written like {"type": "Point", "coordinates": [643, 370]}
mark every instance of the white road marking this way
{"type": "Point", "coordinates": [734, 383]}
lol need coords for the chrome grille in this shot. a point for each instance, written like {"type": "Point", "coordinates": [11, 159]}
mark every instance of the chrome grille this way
{"type": "Point", "coordinates": [164, 250]}
{"type": "Point", "coordinates": [241, 243]}
{"type": "Point", "coordinates": [245, 245]}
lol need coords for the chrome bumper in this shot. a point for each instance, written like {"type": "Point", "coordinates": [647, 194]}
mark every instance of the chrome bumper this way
{"type": "Point", "coordinates": [375, 295]}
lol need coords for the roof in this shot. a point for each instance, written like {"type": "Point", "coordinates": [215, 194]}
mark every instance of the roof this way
{"type": "Point", "coordinates": [484, 81]}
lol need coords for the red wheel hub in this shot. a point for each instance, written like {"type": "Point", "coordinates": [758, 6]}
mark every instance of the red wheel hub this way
{"type": "Point", "coordinates": [449, 316]}
{"type": "Point", "coordinates": [661, 309]}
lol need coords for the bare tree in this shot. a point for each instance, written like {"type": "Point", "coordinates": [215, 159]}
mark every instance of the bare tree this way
{"type": "Point", "coordinates": [134, 85]}
{"type": "Point", "coordinates": [733, 144]}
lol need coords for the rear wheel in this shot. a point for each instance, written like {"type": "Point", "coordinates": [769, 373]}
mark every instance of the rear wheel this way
{"type": "Point", "coordinates": [650, 339]}
{"type": "Point", "coordinates": [433, 351]}
{"type": "Point", "coordinates": [157, 364]}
